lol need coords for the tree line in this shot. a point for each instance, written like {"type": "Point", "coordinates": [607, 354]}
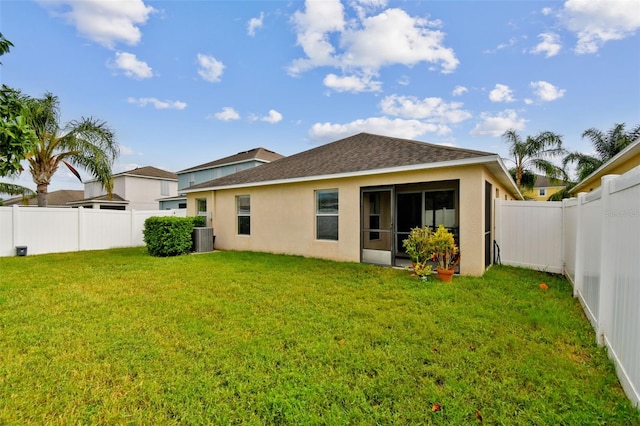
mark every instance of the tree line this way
{"type": "Point", "coordinates": [30, 130]}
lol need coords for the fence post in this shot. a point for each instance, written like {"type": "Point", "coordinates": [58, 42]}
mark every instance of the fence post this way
{"type": "Point", "coordinates": [15, 232]}
{"type": "Point", "coordinates": [131, 226]}
{"type": "Point", "coordinates": [498, 223]}
{"type": "Point", "coordinates": [80, 228]}
{"type": "Point", "coordinates": [607, 262]}
{"type": "Point", "coordinates": [578, 282]}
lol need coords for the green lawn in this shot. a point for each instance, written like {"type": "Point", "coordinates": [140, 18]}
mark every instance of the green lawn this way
{"type": "Point", "coordinates": [111, 337]}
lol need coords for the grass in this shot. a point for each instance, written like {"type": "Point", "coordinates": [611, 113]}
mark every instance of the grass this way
{"type": "Point", "coordinates": [118, 336]}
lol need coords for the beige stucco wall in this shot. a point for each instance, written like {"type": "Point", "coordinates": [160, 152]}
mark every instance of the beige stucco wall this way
{"type": "Point", "coordinates": [533, 194]}
{"type": "Point", "coordinates": [283, 216]}
{"type": "Point", "coordinates": [620, 169]}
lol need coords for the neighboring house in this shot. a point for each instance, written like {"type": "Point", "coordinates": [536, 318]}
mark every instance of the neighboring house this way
{"type": "Point", "coordinates": [215, 169]}
{"type": "Point", "coordinates": [137, 189]}
{"type": "Point", "coordinates": [58, 198]}
{"type": "Point", "coordinates": [543, 188]}
{"type": "Point", "coordinates": [625, 160]}
{"type": "Point", "coordinates": [356, 199]}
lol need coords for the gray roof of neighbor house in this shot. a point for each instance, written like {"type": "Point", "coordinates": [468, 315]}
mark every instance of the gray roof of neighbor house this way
{"type": "Point", "coordinates": [361, 153]}
{"type": "Point", "coordinates": [149, 171]}
{"type": "Point", "coordinates": [546, 182]}
{"type": "Point", "coordinates": [115, 198]}
{"type": "Point", "coordinates": [260, 154]}
{"type": "Point", "coordinates": [54, 198]}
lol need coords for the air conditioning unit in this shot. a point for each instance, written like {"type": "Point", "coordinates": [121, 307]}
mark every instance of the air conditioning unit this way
{"type": "Point", "coordinates": [202, 239]}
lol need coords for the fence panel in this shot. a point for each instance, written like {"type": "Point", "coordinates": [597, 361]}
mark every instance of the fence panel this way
{"type": "Point", "coordinates": [623, 340]}
{"type": "Point", "coordinates": [529, 234]}
{"type": "Point", "coordinates": [56, 230]}
{"type": "Point", "coordinates": [570, 229]}
{"type": "Point", "coordinates": [590, 251]}
{"type": "Point", "coordinates": [105, 229]}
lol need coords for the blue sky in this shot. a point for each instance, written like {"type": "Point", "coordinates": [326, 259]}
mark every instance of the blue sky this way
{"type": "Point", "coordinates": [186, 82]}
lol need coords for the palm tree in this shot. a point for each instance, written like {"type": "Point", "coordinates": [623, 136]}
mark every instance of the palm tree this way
{"type": "Point", "coordinates": [606, 146]}
{"type": "Point", "coordinates": [534, 153]}
{"type": "Point", "coordinates": [5, 45]}
{"type": "Point", "coordinates": [16, 137]}
{"type": "Point", "coordinates": [88, 143]}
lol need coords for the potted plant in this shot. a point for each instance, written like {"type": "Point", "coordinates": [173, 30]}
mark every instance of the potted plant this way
{"type": "Point", "coordinates": [416, 245]}
{"type": "Point", "coordinates": [444, 252]}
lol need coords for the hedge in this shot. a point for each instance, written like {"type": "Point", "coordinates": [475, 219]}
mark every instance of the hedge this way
{"type": "Point", "coordinates": [168, 236]}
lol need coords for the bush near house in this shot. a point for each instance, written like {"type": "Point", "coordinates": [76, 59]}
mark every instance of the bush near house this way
{"type": "Point", "coordinates": [168, 236]}
{"type": "Point", "coordinates": [199, 221]}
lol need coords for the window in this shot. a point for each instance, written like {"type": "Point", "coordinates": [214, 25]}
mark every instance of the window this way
{"type": "Point", "coordinates": [327, 214]}
{"type": "Point", "coordinates": [164, 187]}
{"type": "Point", "coordinates": [201, 204]}
{"type": "Point", "coordinates": [243, 204]}
{"type": "Point", "coordinates": [542, 192]}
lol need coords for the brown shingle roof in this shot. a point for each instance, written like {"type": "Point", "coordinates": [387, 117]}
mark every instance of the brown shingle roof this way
{"type": "Point", "coordinates": [361, 152]}
{"type": "Point", "coordinates": [252, 154]}
{"type": "Point", "coordinates": [149, 171]}
{"type": "Point", "coordinates": [54, 199]}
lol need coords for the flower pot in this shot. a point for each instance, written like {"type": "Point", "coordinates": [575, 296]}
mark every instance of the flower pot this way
{"type": "Point", "coordinates": [445, 275]}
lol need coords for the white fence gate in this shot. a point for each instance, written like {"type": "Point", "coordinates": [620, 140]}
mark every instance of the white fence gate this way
{"type": "Point", "coordinates": [55, 230]}
{"type": "Point", "coordinates": [595, 241]}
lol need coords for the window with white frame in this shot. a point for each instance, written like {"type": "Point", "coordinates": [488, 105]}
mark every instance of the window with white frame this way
{"type": "Point", "coordinates": [327, 214]}
{"type": "Point", "coordinates": [201, 206]}
{"type": "Point", "coordinates": [542, 192]}
{"type": "Point", "coordinates": [164, 187]}
{"type": "Point", "coordinates": [243, 204]}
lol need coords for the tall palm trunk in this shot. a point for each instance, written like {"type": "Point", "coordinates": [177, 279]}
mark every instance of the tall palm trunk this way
{"type": "Point", "coordinates": [42, 194]}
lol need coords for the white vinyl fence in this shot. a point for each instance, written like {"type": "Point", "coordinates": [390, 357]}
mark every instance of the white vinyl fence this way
{"type": "Point", "coordinates": [55, 230]}
{"type": "Point", "coordinates": [594, 240]}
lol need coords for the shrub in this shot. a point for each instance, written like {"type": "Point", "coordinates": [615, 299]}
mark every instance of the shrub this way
{"type": "Point", "coordinates": [168, 236]}
{"type": "Point", "coordinates": [199, 221]}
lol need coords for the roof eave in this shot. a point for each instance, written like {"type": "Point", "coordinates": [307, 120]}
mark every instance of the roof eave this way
{"type": "Point", "coordinates": [622, 156]}
{"type": "Point", "coordinates": [494, 158]}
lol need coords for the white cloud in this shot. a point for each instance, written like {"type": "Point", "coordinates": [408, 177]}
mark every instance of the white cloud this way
{"type": "Point", "coordinates": [105, 22]}
{"type": "Point", "coordinates": [131, 66]}
{"type": "Point", "coordinates": [394, 37]}
{"type": "Point", "coordinates": [365, 7]}
{"type": "Point", "coordinates": [433, 109]}
{"type": "Point", "coordinates": [596, 22]}
{"type": "Point", "coordinates": [546, 11]}
{"type": "Point", "coordinates": [367, 43]}
{"type": "Point", "coordinates": [254, 24]}
{"type": "Point", "coordinates": [409, 129]}
{"type": "Point", "coordinates": [550, 45]}
{"type": "Point", "coordinates": [352, 83]}
{"type": "Point", "coordinates": [227, 114]}
{"type": "Point", "coordinates": [496, 125]}
{"type": "Point", "coordinates": [404, 80]}
{"type": "Point", "coordinates": [157, 104]}
{"type": "Point", "coordinates": [127, 151]}
{"type": "Point", "coordinates": [512, 42]}
{"type": "Point", "coordinates": [501, 93]}
{"type": "Point", "coordinates": [546, 91]}
{"type": "Point", "coordinates": [313, 27]}
{"type": "Point", "coordinates": [210, 69]}
{"type": "Point", "coordinates": [273, 117]}
{"type": "Point", "coordinates": [459, 90]}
